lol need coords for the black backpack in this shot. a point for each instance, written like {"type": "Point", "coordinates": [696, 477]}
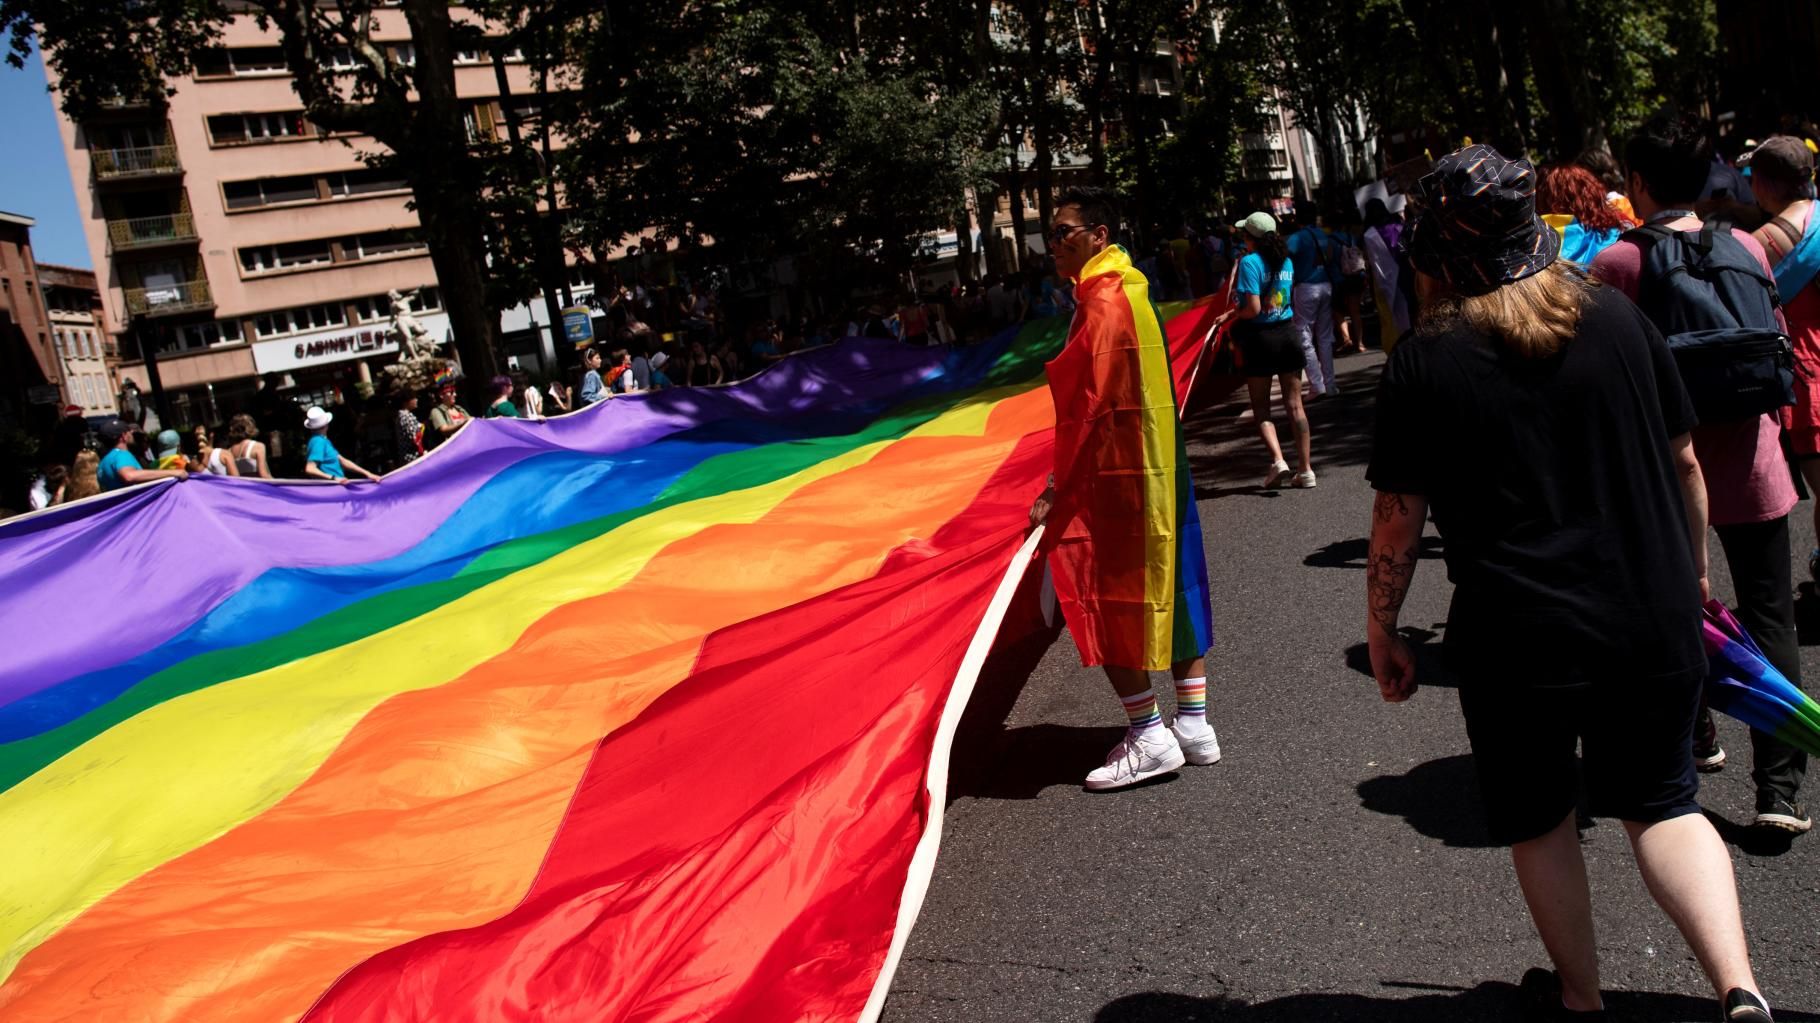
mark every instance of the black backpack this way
{"type": "Point", "coordinates": [1711, 300]}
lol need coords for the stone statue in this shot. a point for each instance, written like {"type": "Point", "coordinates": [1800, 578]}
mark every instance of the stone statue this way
{"type": "Point", "coordinates": [414, 340]}
{"type": "Point", "coordinates": [418, 364]}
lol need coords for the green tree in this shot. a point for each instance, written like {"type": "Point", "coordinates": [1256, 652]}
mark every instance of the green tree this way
{"type": "Point", "coordinates": [105, 49]}
{"type": "Point", "coordinates": [768, 128]}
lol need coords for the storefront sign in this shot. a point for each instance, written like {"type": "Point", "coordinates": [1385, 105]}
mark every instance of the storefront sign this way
{"type": "Point", "coordinates": [578, 325]}
{"type": "Point", "coordinates": [325, 347]}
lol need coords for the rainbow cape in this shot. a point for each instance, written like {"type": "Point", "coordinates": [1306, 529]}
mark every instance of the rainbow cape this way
{"type": "Point", "coordinates": [1125, 537]}
{"type": "Point", "coordinates": [639, 713]}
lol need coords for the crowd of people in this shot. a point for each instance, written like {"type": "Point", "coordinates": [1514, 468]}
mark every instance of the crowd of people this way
{"type": "Point", "coordinates": [1600, 367]}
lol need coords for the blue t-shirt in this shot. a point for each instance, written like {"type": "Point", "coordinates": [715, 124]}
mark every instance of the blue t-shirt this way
{"type": "Point", "coordinates": [1311, 250]}
{"type": "Point", "coordinates": [108, 472]}
{"type": "Point", "coordinates": [323, 453]}
{"type": "Point", "coordinates": [1274, 296]}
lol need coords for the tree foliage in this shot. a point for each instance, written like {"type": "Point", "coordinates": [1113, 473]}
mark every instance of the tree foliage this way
{"type": "Point", "coordinates": [766, 128]}
{"type": "Point", "coordinates": [1549, 78]}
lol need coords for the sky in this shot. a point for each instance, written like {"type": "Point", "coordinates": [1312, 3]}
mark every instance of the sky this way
{"type": "Point", "coordinates": [34, 178]}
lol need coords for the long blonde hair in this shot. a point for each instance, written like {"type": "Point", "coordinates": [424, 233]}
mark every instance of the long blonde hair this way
{"type": "Point", "coordinates": [83, 481]}
{"type": "Point", "coordinates": [1532, 317]}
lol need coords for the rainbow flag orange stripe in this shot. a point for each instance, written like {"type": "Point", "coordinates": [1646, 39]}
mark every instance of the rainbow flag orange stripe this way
{"type": "Point", "coordinates": [624, 715]}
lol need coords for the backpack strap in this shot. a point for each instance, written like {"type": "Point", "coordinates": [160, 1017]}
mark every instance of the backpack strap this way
{"type": "Point", "coordinates": [1794, 233]}
{"type": "Point", "coordinates": [1647, 233]}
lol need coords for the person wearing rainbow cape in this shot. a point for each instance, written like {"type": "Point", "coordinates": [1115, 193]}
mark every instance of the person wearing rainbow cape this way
{"type": "Point", "coordinates": [1123, 537]}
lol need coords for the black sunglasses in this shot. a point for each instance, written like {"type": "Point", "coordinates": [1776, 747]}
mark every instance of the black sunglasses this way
{"type": "Point", "coordinates": [1062, 232]}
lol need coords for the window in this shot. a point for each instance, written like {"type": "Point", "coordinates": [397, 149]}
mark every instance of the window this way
{"type": "Point", "coordinates": [288, 256]}
{"type": "Point", "coordinates": [365, 182]}
{"type": "Point", "coordinates": [285, 322]}
{"type": "Point", "coordinates": [405, 54]}
{"type": "Point", "coordinates": [479, 120]}
{"type": "Point", "coordinates": [206, 335]}
{"type": "Point", "coordinates": [526, 108]}
{"type": "Point", "coordinates": [239, 129]}
{"type": "Point", "coordinates": [243, 195]}
{"type": "Point", "coordinates": [378, 308]}
{"type": "Point", "coordinates": [222, 62]}
{"type": "Point", "coordinates": [340, 58]}
{"type": "Point", "coordinates": [257, 60]}
{"type": "Point", "coordinates": [57, 335]}
{"type": "Point", "coordinates": [382, 243]}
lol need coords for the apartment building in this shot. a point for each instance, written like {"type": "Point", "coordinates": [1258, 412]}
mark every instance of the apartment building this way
{"type": "Point", "coordinates": [87, 356]}
{"type": "Point", "coordinates": [233, 239]}
{"type": "Point", "coordinates": [30, 378]}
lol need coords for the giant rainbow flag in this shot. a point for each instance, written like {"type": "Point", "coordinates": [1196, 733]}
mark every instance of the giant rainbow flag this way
{"type": "Point", "coordinates": [637, 714]}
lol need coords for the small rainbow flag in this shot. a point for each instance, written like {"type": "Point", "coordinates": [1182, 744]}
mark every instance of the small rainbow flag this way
{"type": "Point", "coordinates": [634, 713]}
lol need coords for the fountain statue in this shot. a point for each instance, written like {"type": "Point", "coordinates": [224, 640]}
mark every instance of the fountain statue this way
{"type": "Point", "coordinates": [418, 364]}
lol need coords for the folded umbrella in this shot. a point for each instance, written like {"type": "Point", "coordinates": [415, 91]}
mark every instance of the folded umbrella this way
{"type": "Point", "coordinates": [1741, 683]}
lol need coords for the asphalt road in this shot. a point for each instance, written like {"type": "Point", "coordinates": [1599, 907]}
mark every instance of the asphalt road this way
{"type": "Point", "coordinates": [1334, 866]}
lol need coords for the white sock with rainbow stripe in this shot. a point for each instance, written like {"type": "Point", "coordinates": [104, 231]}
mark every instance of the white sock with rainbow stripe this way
{"type": "Point", "coordinates": [1141, 708]}
{"type": "Point", "coordinates": [1191, 706]}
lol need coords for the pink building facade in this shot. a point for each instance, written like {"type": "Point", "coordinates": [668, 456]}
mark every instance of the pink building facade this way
{"type": "Point", "coordinates": [235, 240]}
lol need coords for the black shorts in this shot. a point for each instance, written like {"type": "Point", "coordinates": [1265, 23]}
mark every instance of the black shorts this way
{"type": "Point", "coordinates": [1268, 349]}
{"type": "Point", "coordinates": [1636, 741]}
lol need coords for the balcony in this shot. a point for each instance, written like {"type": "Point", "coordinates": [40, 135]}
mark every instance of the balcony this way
{"type": "Point", "coordinates": [169, 299]}
{"type": "Point", "coordinates": [136, 163]}
{"type": "Point", "coordinates": [151, 232]}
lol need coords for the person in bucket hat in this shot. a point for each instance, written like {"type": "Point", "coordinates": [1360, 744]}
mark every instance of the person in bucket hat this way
{"type": "Point", "coordinates": [1543, 421]}
{"type": "Point", "coordinates": [320, 459]}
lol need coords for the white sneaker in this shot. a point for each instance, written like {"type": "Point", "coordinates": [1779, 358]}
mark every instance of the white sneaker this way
{"type": "Point", "coordinates": [1201, 748]}
{"type": "Point", "coordinates": [1278, 474]}
{"type": "Point", "coordinates": [1136, 758]}
{"type": "Point", "coordinates": [1303, 480]}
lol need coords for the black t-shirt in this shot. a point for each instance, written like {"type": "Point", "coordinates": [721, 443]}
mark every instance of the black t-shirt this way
{"type": "Point", "coordinates": [1553, 486]}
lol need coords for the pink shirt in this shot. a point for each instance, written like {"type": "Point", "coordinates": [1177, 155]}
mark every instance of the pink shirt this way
{"type": "Point", "coordinates": [1747, 479]}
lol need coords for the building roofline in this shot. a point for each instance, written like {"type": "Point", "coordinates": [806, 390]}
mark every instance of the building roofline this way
{"type": "Point", "coordinates": [17, 218]}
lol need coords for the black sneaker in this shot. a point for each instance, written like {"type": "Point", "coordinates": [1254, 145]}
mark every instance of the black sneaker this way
{"type": "Point", "coordinates": [1743, 1007]}
{"type": "Point", "coordinates": [1783, 814]}
{"type": "Point", "coordinates": [1709, 756]}
{"type": "Point", "coordinates": [1542, 990]}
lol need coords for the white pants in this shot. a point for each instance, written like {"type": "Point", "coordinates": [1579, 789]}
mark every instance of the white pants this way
{"type": "Point", "coordinates": [1314, 321]}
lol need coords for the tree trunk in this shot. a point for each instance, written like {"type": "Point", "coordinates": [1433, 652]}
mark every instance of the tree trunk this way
{"type": "Point", "coordinates": [964, 263]}
{"type": "Point", "coordinates": [1095, 96]}
{"type": "Point", "coordinates": [1496, 91]}
{"type": "Point", "coordinates": [447, 189]}
{"type": "Point", "coordinates": [996, 265]}
{"type": "Point", "coordinates": [1016, 185]}
{"type": "Point", "coordinates": [1131, 107]}
{"type": "Point", "coordinates": [1036, 43]}
{"type": "Point", "coordinates": [1554, 43]}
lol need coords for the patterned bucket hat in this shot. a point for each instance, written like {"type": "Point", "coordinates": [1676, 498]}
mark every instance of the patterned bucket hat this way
{"type": "Point", "coordinates": [1479, 230]}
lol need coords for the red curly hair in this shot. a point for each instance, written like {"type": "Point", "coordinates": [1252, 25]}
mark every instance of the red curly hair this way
{"type": "Point", "coordinates": [1571, 188]}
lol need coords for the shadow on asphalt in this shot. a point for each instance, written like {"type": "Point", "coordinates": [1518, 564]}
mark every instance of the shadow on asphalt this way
{"type": "Point", "coordinates": [1351, 553]}
{"type": "Point", "coordinates": [1439, 799]}
{"type": "Point", "coordinates": [1750, 840]}
{"type": "Point", "coordinates": [1490, 1002]}
{"type": "Point", "coordinates": [1342, 431]}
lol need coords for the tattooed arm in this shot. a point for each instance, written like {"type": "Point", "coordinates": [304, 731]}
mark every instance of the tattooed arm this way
{"type": "Point", "coordinates": [1396, 537]}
